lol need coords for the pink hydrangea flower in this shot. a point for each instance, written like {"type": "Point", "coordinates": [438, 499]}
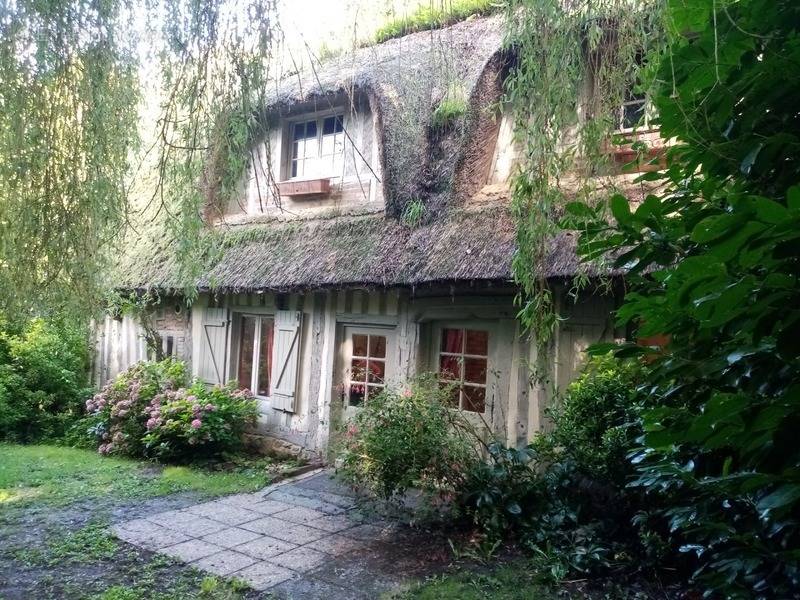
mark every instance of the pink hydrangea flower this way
{"type": "Point", "coordinates": [407, 393]}
{"type": "Point", "coordinates": [197, 424]}
{"type": "Point", "coordinates": [210, 407]}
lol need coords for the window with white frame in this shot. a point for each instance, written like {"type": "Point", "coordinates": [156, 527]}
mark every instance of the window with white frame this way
{"type": "Point", "coordinates": [633, 113]}
{"type": "Point", "coordinates": [255, 354]}
{"type": "Point", "coordinates": [463, 367]}
{"type": "Point", "coordinates": [317, 147]}
{"type": "Point", "coordinates": [367, 374]}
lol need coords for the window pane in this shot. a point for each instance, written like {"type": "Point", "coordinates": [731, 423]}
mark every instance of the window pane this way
{"type": "Point", "coordinates": [474, 399]}
{"type": "Point", "coordinates": [356, 396]}
{"type": "Point", "coordinates": [265, 358]}
{"type": "Point", "coordinates": [377, 371]}
{"type": "Point", "coordinates": [328, 146]}
{"type": "Point", "coordinates": [358, 370]}
{"type": "Point", "coordinates": [246, 342]}
{"type": "Point", "coordinates": [452, 340]}
{"type": "Point", "coordinates": [377, 346]}
{"type": "Point", "coordinates": [632, 114]}
{"type": "Point", "coordinates": [311, 129]}
{"type": "Point", "coordinates": [359, 345]}
{"type": "Point", "coordinates": [328, 125]}
{"type": "Point", "coordinates": [477, 343]}
{"type": "Point", "coordinates": [451, 394]}
{"type": "Point", "coordinates": [450, 368]}
{"type": "Point", "coordinates": [294, 168]}
{"type": "Point", "coordinates": [475, 370]}
{"type": "Point", "coordinates": [298, 131]}
{"type": "Point", "coordinates": [339, 124]}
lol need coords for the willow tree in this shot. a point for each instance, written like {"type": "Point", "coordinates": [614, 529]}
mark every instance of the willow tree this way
{"type": "Point", "coordinates": [68, 98]}
{"type": "Point", "coordinates": [70, 151]}
{"type": "Point", "coordinates": [575, 61]}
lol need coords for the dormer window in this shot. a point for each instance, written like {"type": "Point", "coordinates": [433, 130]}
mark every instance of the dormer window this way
{"type": "Point", "coordinates": [633, 113]}
{"type": "Point", "coordinates": [317, 148]}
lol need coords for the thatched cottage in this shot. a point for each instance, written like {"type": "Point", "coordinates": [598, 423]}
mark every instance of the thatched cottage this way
{"type": "Point", "coordinates": [372, 240]}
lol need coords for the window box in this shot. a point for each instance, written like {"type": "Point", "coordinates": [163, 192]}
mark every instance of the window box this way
{"type": "Point", "coordinates": [306, 187]}
{"type": "Point", "coordinates": [623, 155]}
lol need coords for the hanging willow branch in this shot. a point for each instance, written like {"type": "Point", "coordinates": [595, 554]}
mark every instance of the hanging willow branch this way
{"type": "Point", "coordinates": [574, 62]}
{"type": "Point", "coordinates": [69, 129]}
{"type": "Point", "coordinates": [68, 118]}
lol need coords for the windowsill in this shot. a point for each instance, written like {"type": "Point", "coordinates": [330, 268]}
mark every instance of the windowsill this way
{"type": "Point", "coordinates": [305, 187]}
{"type": "Point", "coordinates": [629, 158]}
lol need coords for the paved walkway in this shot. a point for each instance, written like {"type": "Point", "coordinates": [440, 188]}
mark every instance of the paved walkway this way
{"type": "Point", "coordinates": [303, 538]}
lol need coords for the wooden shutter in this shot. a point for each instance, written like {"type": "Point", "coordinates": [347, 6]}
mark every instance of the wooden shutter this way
{"type": "Point", "coordinates": [213, 345]}
{"type": "Point", "coordinates": [285, 358]}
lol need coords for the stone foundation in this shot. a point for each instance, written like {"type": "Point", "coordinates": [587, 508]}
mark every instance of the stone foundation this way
{"type": "Point", "coordinates": [273, 446]}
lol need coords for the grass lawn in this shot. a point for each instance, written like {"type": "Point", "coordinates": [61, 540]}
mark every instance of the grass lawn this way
{"type": "Point", "coordinates": [514, 581]}
{"type": "Point", "coordinates": [57, 475]}
{"type": "Point", "coordinates": [56, 504]}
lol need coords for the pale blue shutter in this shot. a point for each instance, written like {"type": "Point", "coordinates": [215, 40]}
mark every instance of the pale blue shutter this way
{"type": "Point", "coordinates": [213, 345]}
{"type": "Point", "coordinates": [285, 359]}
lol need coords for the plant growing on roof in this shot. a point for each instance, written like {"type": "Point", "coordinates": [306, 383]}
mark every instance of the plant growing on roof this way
{"type": "Point", "coordinates": [413, 213]}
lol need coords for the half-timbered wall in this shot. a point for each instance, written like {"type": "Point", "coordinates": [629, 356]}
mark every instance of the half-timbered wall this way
{"type": "Point", "coordinates": [308, 409]}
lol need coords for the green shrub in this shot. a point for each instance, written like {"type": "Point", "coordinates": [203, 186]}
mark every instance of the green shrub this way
{"type": "Point", "coordinates": [197, 422]}
{"type": "Point", "coordinates": [597, 421]}
{"type": "Point", "coordinates": [119, 408]}
{"type": "Point", "coordinates": [149, 411]}
{"type": "Point", "coordinates": [404, 439]}
{"type": "Point", "coordinates": [503, 492]}
{"type": "Point", "coordinates": [43, 380]}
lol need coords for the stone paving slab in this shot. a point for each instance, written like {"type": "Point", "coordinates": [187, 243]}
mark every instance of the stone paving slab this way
{"type": "Point", "coordinates": [295, 539]}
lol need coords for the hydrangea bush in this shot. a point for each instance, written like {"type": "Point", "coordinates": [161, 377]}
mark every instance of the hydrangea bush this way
{"type": "Point", "coordinates": [119, 408]}
{"type": "Point", "coordinates": [197, 421]}
{"type": "Point", "coordinates": [151, 410]}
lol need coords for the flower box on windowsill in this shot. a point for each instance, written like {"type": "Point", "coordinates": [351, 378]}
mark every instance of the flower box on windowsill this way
{"type": "Point", "coordinates": [624, 154]}
{"type": "Point", "coordinates": [305, 187]}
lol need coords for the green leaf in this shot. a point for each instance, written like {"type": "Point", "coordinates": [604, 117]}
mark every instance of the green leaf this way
{"type": "Point", "coordinates": [785, 494]}
{"type": "Point", "coordinates": [620, 208]}
{"type": "Point", "coordinates": [793, 197]}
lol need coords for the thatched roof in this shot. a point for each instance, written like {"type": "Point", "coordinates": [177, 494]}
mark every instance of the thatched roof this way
{"type": "Point", "coordinates": [472, 244]}
{"type": "Point", "coordinates": [462, 239]}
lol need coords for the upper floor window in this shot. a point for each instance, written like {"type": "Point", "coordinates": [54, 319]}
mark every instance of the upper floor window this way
{"type": "Point", "coordinates": [317, 148]}
{"type": "Point", "coordinates": [633, 113]}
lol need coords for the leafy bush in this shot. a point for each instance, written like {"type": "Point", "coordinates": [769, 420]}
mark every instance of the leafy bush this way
{"type": "Point", "coordinates": [43, 379]}
{"type": "Point", "coordinates": [566, 496]}
{"type": "Point", "coordinates": [404, 439]}
{"type": "Point", "coordinates": [596, 424]}
{"type": "Point", "coordinates": [197, 421]}
{"type": "Point", "coordinates": [119, 408]}
{"type": "Point", "coordinates": [149, 411]}
{"type": "Point", "coordinates": [502, 493]}
{"type": "Point", "coordinates": [713, 263]}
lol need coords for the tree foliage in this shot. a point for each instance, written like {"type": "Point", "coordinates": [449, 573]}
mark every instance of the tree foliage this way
{"type": "Point", "coordinates": [573, 64]}
{"type": "Point", "coordinates": [68, 98]}
{"type": "Point", "coordinates": [715, 260]}
{"type": "Point", "coordinates": [71, 78]}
